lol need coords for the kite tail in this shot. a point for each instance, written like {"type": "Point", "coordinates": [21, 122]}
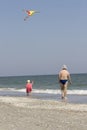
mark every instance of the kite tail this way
{"type": "Point", "coordinates": [37, 11]}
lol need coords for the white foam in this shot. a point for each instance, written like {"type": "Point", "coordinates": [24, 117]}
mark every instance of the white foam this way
{"type": "Point", "coordinates": [47, 91]}
{"type": "Point", "coordinates": [79, 92]}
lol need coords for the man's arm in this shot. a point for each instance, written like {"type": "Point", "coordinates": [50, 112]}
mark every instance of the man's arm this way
{"type": "Point", "coordinates": [69, 78]}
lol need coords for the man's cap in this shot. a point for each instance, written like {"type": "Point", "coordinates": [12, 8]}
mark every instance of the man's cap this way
{"type": "Point", "coordinates": [64, 67]}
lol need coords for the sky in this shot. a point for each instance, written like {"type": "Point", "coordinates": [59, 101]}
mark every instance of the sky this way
{"type": "Point", "coordinates": [47, 40]}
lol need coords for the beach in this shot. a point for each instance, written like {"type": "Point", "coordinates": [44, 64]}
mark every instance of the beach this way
{"type": "Point", "coordinates": [26, 113]}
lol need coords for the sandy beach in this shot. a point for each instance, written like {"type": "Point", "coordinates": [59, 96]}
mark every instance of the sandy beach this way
{"type": "Point", "coordinates": [26, 113]}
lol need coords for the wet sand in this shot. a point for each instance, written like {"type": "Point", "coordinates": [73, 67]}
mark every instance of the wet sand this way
{"type": "Point", "coordinates": [26, 113]}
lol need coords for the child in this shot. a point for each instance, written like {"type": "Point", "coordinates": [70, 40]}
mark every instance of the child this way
{"type": "Point", "coordinates": [29, 87]}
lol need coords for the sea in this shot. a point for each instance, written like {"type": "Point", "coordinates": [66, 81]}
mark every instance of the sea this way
{"type": "Point", "coordinates": [45, 87]}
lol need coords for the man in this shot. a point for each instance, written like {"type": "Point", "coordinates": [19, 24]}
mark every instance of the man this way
{"type": "Point", "coordinates": [64, 78]}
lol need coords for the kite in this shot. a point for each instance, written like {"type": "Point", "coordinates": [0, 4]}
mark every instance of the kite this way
{"type": "Point", "coordinates": [29, 13]}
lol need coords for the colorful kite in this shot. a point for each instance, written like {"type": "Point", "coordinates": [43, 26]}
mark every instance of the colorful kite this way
{"type": "Point", "coordinates": [29, 13]}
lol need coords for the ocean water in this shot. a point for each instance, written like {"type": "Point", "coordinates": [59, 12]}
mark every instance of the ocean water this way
{"type": "Point", "coordinates": [44, 86]}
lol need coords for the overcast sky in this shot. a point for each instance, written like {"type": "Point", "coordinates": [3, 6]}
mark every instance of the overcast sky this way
{"type": "Point", "coordinates": [47, 40]}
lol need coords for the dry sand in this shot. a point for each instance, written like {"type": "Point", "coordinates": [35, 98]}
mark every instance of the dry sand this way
{"type": "Point", "coordinates": [25, 113]}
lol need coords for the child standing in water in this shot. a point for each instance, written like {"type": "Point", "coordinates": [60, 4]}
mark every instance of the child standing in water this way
{"type": "Point", "coordinates": [29, 86]}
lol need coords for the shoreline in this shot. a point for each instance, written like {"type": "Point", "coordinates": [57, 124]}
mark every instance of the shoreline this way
{"type": "Point", "coordinates": [72, 98]}
{"type": "Point", "coordinates": [42, 104]}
